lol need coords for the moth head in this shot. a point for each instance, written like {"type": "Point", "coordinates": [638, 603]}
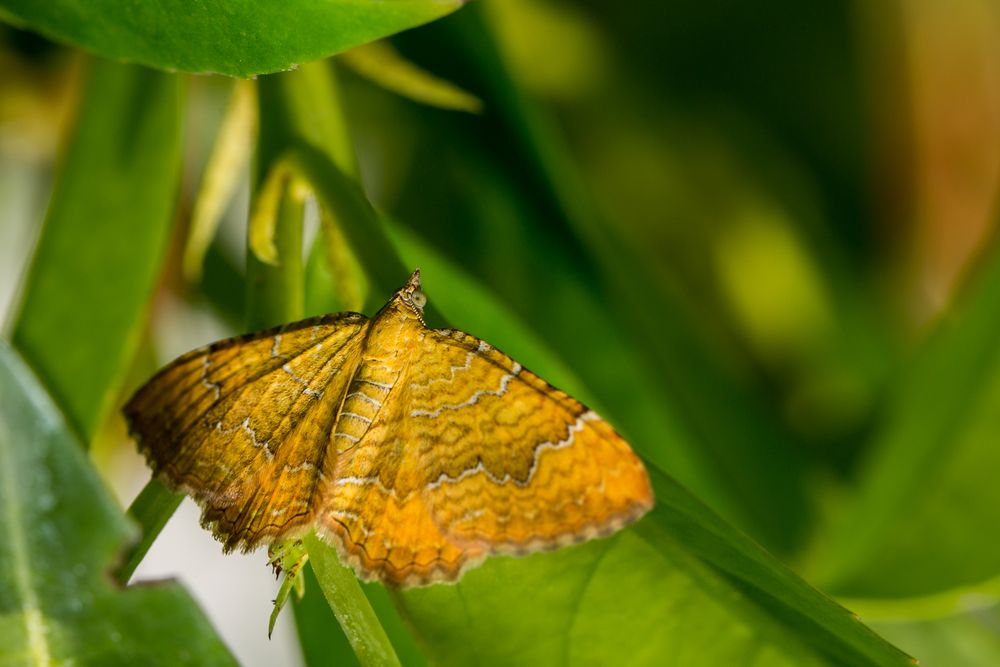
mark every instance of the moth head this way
{"type": "Point", "coordinates": [411, 295]}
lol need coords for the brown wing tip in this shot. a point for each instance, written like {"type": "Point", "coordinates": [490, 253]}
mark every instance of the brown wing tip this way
{"type": "Point", "coordinates": [244, 541]}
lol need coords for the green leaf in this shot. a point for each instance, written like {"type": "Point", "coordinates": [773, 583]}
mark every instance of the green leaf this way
{"type": "Point", "coordinates": [383, 65]}
{"type": "Point", "coordinates": [106, 231]}
{"type": "Point", "coordinates": [223, 171]}
{"type": "Point", "coordinates": [452, 291]}
{"type": "Point", "coordinates": [762, 599]}
{"type": "Point", "coordinates": [348, 602]}
{"type": "Point", "coordinates": [320, 636]}
{"type": "Point", "coordinates": [151, 509]}
{"type": "Point", "coordinates": [61, 531]}
{"type": "Point", "coordinates": [970, 639]}
{"type": "Point", "coordinates": [681, 587]}
{"type": "Point", "coordinates": [519, 216]}
{"type": "Point", "coordinates": [925, 518]}
{"type": "Point", "coordinates": [309, 137]}
{"type": "Point", "coordinates": [234, 37]}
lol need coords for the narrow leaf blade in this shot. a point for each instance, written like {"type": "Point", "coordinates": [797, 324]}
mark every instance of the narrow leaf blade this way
{"type": "Point", "coordinates": [105, 233]}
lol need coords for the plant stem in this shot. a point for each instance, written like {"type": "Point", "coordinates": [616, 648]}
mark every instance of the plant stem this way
{"type": "Point", "coordinates": [350, 605]}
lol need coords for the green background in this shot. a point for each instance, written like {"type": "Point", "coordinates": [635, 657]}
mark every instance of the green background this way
{"type": "Point", "coordinates": [758, 239]}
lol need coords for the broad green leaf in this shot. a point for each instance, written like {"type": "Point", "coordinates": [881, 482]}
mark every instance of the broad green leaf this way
{"type": "Point", "coordinates": [61, 532]}
{"type": "Point", "coordinates": [234, 37]}
{"type": "Point", "coordinates": [928, 506]}
{"type": "Point", "coordinates": [680, 588]}
{"type": "Point", "coordinates": [100, 250]}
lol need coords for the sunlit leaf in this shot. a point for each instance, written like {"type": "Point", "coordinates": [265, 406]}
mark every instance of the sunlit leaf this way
{"type": "Point", "coordinates": [238, 38]}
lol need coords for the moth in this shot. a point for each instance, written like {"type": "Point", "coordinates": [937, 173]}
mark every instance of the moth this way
{"type": "Point", "coordinates": [416, 452]}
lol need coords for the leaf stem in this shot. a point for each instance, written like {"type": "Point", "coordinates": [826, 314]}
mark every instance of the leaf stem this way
{"type": "Point", "coordinates": [350, 606]}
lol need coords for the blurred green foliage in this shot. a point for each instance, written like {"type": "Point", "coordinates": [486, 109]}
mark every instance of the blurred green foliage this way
{"type": "Point", "coordinates": [758, 239]}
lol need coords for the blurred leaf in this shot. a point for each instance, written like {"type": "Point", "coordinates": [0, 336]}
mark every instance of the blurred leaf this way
{"type": "Point", "coordinates": [970, 639]}
{"type": "Point", "coordinates": [304, 108]}
{"type": "Point", "coordinates": [926, 515]}
{"type": "Point", "coordinates": [381, 63]}
{"type": "Point", "coordinates": [107, 228]}
{"type": "Point", "coordinates": [224, 286]}
{"type": "Point", "coordinates": [343, 198]}
{"type": "Point", "coordinates": [230, 154]}
{"type": "Point", "coordinates": [61, 533]}
{"type": "Point", "coordinates": [333, 262]}
{"type": "Point", "coordinates": [307, 135]}
{"type": "Point", "coordinates": [735, 57]}
{"type": "Point", "coordinates": [234, 37]}
{"type": "Point", "coordinates": [783, 307]}
{"type": "Point", "coordinates": [555, 48]}
{"type": "Point", "coordinates": [681, 587]}
{"type": "Point", "coordinates": [461, 298]}
{"type": "Point", "coordinates": [517, 214]}
{"type": "Point", "coordinates": [277, 190]}
{"type": "Point", "coordinates": [275, 284]}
